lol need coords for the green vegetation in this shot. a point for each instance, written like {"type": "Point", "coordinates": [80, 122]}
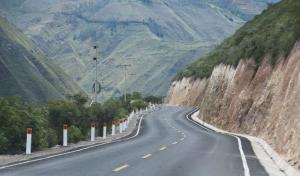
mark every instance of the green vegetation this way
{"type": "Point", "coordinates": [47, 120]}
{"type": "Point", "coordinates": [274, 32]}
{"type": "Point", "coordinates": [26, 72]}
{"type": "Point", "coordinates": [15, 117]}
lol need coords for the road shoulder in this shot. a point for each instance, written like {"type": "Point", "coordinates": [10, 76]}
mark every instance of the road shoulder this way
{"type": "Point", "coordinates": [271, 161]}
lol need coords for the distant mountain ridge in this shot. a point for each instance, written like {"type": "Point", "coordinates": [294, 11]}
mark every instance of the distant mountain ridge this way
{"type": "Point", "coordinates": [25, 72]}
{"type": "Point", "coordinates": [156, 37]}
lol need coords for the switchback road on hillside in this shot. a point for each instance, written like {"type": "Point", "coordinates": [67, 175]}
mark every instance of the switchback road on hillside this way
{"type": "Point", "coordinates": [168, 145]}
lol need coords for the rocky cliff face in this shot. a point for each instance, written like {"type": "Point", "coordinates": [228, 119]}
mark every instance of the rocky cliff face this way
{"type": "Point", "coordinates": [263, 102]}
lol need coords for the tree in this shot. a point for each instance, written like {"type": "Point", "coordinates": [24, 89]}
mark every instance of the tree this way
{"type": "Point", "coordinates": [15, 117]}
{"type": "Point", "coordinates": [79, 99]}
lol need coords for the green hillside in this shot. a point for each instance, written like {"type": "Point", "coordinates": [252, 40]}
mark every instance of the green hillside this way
{"type": "Point", "coordinates": [25, 72]}
{"type": "Point", "coordinates": [273, 32]}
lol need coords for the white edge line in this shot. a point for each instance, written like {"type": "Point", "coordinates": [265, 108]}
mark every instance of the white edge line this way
{"type": "Point", "coordinates": [244, 161]}
{"type": "Point", "coordinates": [66, 153]}
{"type": "Point", "coordinates": [189, 114]}
{"type": "Point", "coordinates": [245, 165]}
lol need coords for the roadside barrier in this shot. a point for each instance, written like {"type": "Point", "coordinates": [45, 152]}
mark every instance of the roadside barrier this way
{"type": "Point", "coordinates": [93, 131]}
{"type": "Point", "coordinates": [65, 135]}
{"type": "Point", "coordinates": [113, 128]}
{"type": "Point", "coordinates": [28, 141]}
{"type": "Point", "coordinates": [122, 123]}
{"type": "Point", "coordinates": [104, 130]}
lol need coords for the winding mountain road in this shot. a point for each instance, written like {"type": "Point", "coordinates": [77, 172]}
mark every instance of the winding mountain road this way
{"type": "Point", "coordinates": [168, 145]}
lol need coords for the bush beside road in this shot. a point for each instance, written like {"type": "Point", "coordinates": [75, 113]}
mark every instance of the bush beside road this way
{"type": "Point", "coordinates": [47, 120]}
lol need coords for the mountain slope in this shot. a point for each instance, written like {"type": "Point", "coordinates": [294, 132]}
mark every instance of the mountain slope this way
{"type": "Point", "coordinates": [251, 82]}
{"type": "Point", "coordinates": [274, 32]}
{"type": "Point", "coordinates": [157, 37]}
{"type": "Point", "coordinates": [25, 72]}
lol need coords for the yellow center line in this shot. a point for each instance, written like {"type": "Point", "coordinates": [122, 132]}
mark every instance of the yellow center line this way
{"type": "Point", "coordinates": [147, 156]}
{"type": "Point", "coordinates": [163, 148]}
{"type": "Point", "coordinates": [118, 169]}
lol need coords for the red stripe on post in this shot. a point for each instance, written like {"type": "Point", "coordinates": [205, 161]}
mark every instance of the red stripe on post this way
{"type": "Point", "coordinates": [29, 130]}
{"type": "Point", "coordinates": [93, 125]}
{"type": "Point", "coordinates": [65, 126]}
{"type": "Point", "coordinates": [113, 122]}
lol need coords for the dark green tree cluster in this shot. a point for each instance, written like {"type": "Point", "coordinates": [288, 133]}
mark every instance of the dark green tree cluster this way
{"type": "Point", "coordinates": [47, 120]}
{"type": "Point", "coordinates": [75, 113]}
{"type": "Point", "coordinates": [15, 117]}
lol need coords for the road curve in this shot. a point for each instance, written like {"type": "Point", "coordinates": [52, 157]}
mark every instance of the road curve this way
{"type": "Point", "coordinates": [168, 145]}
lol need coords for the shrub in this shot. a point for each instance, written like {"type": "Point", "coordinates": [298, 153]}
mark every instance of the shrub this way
{"type": "Point", "coordinates": [52, 137]}
{"type": "Point", "coordinates": [47, 121]}
{"type": "Point", "coordinates": [15, 117]}
{"type": "Point", "coordinates": [3, 143]}
{"type": "Point", "coordinates": [138, 104]}
{"type": "Point", "coordinates": [74, 134]}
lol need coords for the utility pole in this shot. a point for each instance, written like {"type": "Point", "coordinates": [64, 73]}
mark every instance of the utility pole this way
{"type": "Point", "coordinates": [131, 74]}
{"type": "Point", "coordinates": [125, 66]}
{"type": "Point", "coordinates": [96, 85]}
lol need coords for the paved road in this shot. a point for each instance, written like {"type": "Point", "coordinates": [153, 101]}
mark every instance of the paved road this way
{"type": "Point", "coordinates": [168, 145]}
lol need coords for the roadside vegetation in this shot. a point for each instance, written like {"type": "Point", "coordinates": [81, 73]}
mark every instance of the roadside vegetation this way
{"type": "Point", "coordinates": [274, 32]}
{"type": "Point", "coordinates": [47, 120]}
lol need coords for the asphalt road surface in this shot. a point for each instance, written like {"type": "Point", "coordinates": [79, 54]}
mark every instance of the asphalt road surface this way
{"type": "Point", "coordinates": [168, 145]}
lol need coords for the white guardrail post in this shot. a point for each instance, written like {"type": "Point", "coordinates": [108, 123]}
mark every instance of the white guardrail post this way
{"type": "Point", "coordinates": [93, 131]}
{"type": "Point", "coordinates": [28, 141]}
{"type": "Point", "coordinates": [124, 124]}
{"type": "Point", "coordinates": [113, 128]}
{"type": "Point", "coordinates": [120, 126]}
{"type": "Point", "coordinates": [104, 130]}
{"type": "Point", "coordinates": [65, 135]}
{"type": "Point", "coordinates": [130, 116]}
